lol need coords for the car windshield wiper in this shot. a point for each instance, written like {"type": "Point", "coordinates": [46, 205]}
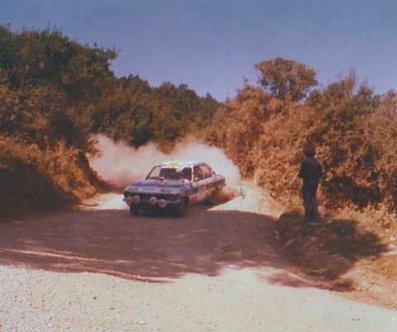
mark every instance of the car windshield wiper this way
{"type": "Point", "coordinates": [156, 178]}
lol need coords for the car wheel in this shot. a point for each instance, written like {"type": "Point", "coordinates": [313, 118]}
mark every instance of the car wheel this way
{"type": "Point", "coordinates": [180, 209]}
{"type": "Point", "coordinates": [134, 210]}
{"type": "Point", "coordinates": [213, 198]}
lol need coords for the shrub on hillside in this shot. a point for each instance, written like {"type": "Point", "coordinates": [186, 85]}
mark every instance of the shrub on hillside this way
{"type": "Point", "coordinates": [33, 179]}
{"type": "Point", "coordinates": [354, 131]}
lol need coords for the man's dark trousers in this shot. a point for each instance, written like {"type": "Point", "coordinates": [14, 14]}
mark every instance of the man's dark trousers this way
{"type": "Point", "coordinates": [309, 191]}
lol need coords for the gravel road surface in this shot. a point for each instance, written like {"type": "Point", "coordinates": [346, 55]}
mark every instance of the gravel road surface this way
{"type": "Point", "coordinates": [98, 269]}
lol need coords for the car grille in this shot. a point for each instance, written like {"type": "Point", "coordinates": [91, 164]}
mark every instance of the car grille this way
{"type": "Point", "coordinates": [146, 197]}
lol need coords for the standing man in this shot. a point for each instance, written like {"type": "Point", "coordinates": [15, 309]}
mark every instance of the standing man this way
{"type": "Point", "coordinates": [310, 172]}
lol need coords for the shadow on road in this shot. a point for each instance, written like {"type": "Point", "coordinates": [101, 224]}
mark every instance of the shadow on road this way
{"type": "Point", "coordinates": [159, 249]}
{"type": "Point", "coordinates": [323, 251]}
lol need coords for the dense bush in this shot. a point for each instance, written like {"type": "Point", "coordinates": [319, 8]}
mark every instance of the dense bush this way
{"type": "Point", "coordinates": [137, 113]}
{"type": "Point", "coordinates": [55, 93]}
{"type": "Point", "coordinates": [354, 129]}
{"type": "Point", "coordinates": [42, 161]}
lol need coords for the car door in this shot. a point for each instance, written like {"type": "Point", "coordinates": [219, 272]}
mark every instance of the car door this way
{"type": "Point", "coordinates": [208, 179]}
{"type": "Point", "coordinates": [199, 185]}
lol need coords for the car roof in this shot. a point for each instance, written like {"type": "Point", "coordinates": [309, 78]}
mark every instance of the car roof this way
{"type": "Point", "coordinates": [181, 163]}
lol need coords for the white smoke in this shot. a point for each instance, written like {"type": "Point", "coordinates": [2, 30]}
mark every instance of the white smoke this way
{"type": "Point", "coordinates": [121, 164]}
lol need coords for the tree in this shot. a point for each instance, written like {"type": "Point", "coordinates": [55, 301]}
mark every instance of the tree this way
{"type": "Point", "coordinates": [286, 79]}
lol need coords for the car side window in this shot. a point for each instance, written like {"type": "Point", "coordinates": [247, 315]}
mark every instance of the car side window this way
{"type": "Point", "coordinates": [198, 173]}
{"type": "Point", "coordinates": [207, 172]}
{"type": "Point", "coordinates": [187, 173]}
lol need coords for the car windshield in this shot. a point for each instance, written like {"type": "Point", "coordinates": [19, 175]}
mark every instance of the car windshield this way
{"type": "Point", "coordinates": [170, 173]}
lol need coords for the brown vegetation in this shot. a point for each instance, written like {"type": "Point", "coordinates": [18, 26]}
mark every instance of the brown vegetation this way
{"type": "Point", "coordinates": [54, 94]}
{"type": "Point", "coordinates": [354, 130]}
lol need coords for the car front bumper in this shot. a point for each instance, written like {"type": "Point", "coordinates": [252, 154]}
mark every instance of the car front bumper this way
{"type": "Point", "coordinates": [151, 200]}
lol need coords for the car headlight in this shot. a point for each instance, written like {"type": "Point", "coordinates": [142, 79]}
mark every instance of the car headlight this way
{"type": "Point", "coordinates": [136, 199]}
{"type": "Point", "coordinates": [162, 203]}
{"type": "Point", "coordinates": [153, 200]}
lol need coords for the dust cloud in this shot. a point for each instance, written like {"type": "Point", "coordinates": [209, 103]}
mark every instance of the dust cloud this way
{"type": "Point", "coordinates": [121, 164]}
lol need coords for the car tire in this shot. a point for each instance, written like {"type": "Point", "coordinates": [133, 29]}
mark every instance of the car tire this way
{"type": "Point", "coordinates": [213, 198]}
{"type": "Point", "coordinates": [180, 209]}
{"type": "Point", "coordinates": [134, 210]}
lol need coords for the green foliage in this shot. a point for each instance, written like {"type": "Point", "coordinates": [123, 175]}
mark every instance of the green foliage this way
{"type": "Point", "coordinates": [55, 93]}
{"type": "Point", "coordinates": [45, 81]}
{"type": "Point", "coordinates": [348, 154]}
{"type": "Point", "coordinates": [42, 162]}
{"type": "Point", "coordinates": [286, 79]}
{"type": "Point", "coordinates": [138, 113]}
{"type": "Point", "coordinates": [47, 57]}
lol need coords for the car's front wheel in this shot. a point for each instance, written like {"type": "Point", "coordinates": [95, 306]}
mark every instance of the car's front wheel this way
{"type": "Point", "coordinates": [180, 209]}
{"type": "Point", "coordinates": [214, 198]}
{"type": "Point", "coordinates": [134, 210]}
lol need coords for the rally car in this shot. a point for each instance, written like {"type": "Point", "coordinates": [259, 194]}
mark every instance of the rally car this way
{"type": "Point", "coordinates": [173, 186]}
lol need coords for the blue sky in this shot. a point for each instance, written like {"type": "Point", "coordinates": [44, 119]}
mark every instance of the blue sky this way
{"type": "Point", "coordinates": [212, 45]}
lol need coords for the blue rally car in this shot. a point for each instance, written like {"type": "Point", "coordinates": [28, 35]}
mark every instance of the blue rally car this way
{"type": "Point", "coordinates": [173, 186]}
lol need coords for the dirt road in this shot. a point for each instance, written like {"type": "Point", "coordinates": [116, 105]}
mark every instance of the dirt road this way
{"type": "Point", "coordinates": [98, 269]}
